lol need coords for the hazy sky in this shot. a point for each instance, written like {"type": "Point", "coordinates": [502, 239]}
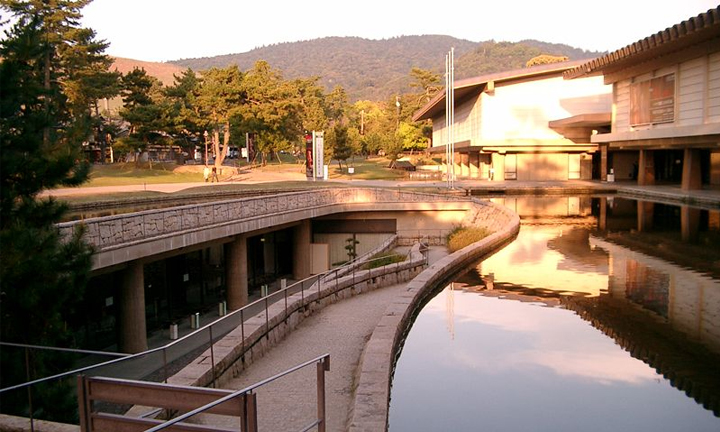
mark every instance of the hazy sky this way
{"type": "Point", "coordinates": [159, 30]}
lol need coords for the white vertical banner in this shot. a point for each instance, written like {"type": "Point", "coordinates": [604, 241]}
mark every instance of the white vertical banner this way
{"type": "Point", "coordinates": [318, 149]}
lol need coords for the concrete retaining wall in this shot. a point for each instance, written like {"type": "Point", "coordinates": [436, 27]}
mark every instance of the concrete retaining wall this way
{"type": "Point", "coordinates": [233, 353]}
{"type": "Point", "coordinates": [123, 238]}
{"type": "Point", "coordinates": [372, 394]}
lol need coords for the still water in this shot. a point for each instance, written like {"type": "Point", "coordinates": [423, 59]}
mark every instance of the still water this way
{"type": "Point", "coordinates": [568, 328]}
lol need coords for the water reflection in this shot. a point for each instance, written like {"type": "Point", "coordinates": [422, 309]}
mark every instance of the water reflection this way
{"type": "Point", "coordinates": [574, 326]}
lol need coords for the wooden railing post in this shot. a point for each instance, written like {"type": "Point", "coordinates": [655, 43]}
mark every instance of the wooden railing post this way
{"type": "Point", "coordinates": [322, 366]}
{"type": "Point", "coordinates": [83, 405]}
{"type": "Point", "coordinates": [250, 400]}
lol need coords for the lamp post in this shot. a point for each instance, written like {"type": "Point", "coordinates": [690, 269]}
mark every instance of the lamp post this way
{"type": "Point", "coordinates": [206, 148]}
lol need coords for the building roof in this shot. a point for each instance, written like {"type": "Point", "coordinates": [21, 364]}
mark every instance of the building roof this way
{"type": "Point", "coordinates": [583, 120]}
{"type": "Point", "coordinates": [702, 29]}
{"type": "Point", "coordinates": [476, 85]}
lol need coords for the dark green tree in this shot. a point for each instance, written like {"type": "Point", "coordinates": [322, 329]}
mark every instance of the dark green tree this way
{"type": "Point", "coordinates": [74, 62]}
{"type": "Point", "coordinates": [145, 109]}
{"type": "Point", "coordinates": [42, 273]}
{"type": "Point", "coordinates": [273, 109]}
{"type": "Point", "coordinates": [312, 101]}
{"type": "Point", "coordinates": [187, 126]}
{"type": "Point", "coordinates": [427, 83]}
{"type": "Point", "coordinates": [220, 98]}
{"type": "Point", "coordinates": [341, 148]}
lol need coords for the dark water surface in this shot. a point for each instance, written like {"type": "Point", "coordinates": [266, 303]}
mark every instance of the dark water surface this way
{"type": "Point", "coordinates": [568, 328]}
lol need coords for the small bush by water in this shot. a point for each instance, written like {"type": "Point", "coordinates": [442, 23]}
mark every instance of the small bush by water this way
{"type": "Point", "coordinates": [460, 237]}
{"type": "Point", "coordinates": [383, 259]}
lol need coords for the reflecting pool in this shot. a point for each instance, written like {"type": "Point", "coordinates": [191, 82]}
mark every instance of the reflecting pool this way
{"type": "Point", "coordinates": [576, 325]}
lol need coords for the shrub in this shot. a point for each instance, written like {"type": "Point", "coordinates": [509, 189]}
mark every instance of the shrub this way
{"type": "Point", "coordinates": [383, 259]}
{"type": "Point", "coordinates": [460, 237]}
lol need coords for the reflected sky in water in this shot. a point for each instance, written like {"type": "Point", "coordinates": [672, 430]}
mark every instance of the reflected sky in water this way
{"type": "Point", "coordinates": [495, 353]}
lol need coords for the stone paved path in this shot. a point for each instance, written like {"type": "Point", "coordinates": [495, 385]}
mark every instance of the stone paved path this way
{"type": "Point", "coordinates": [341, 329]}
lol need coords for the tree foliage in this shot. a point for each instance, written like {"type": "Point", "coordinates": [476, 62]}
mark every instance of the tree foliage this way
{"type": "Point", "coordinates": [545, 59]}
{"type": "Point", "coordinates": [74, 58]}
{"type": "Point", "coordinates": [42, 275]}
{"type": "Point", "coordinates": [340, 143]}
{"type": "Point", "coordinates": [378, 69]}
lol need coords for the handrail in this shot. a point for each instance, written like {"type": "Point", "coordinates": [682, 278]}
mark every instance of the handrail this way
{"type": "Point", "coordinates": [323, 359]}
{"type": "Point", "coordinates": [128, 357]}
{"type": "Point", "coordinates": [71, 350]}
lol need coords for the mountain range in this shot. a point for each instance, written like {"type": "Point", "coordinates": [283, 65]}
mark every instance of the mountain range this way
{"type": "Point", "coordinates": [379, 69]}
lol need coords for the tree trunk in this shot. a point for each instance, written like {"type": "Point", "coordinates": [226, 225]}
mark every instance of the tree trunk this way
{"type": "Point", "coordinates": [220, 155]}
{"type": "Point", "coordinates": [278, 157]}
{"type": "Point", "coordinates": [46, 129]}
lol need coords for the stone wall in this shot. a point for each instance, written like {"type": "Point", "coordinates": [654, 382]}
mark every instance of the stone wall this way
{"type": "Point", "coordinates": [123, 238]}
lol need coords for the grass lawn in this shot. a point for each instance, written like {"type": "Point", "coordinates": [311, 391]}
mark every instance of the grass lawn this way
{"type": "Point", "coordinates": [375, 168]}
{"type": "Point", "coordinates": [119, 174]}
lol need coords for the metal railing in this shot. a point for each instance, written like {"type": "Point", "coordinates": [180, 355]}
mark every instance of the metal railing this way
{"type": "Point", "coordinates": [160, 363]}
{"type": "Point", "coordinates": [241, 403]}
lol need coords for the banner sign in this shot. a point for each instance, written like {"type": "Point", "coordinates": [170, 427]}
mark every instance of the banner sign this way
{"type": "Point", "coordinates": [318, 141]}
{"type": "Point", "coordinates": [309, 155]}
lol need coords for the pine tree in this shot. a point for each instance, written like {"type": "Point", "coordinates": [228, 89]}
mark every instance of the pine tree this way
{"type": "Point", "coordinates": [42, 276]}
{"type": "Point", "coordinates": [342, 150]}
{"type": "Point", "coordinates": [73, 62]}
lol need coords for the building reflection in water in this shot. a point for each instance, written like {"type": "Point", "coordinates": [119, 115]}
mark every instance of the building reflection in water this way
{"type": "Point", "coordinates": [607, 258]}
{"type": "Point", "coordinates": [626, 268]}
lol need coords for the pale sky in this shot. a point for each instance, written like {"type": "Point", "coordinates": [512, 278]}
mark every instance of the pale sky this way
{"type": "Point", "coordinates": [161, 30]}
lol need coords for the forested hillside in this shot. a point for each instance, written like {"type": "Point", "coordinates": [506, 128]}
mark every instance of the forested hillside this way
{"type": "Point", "coordinates": [378, 69]}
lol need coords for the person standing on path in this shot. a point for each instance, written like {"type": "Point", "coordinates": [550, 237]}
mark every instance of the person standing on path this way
{"type": "Point", "coordinates": [214, 177]}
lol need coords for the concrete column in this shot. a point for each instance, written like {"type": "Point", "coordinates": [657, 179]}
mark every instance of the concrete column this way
{"type": "Point", "coordinates": [236, 271]}
{"type": "Point", "coordinates": [133, 328]}
{"type": "Point", "coordinates": [691, 178]}
{"type": "Point", "coordinates": [689, 223]}
{"type": "Point", "coordinates": [302, 237]}
{"type": "Point", "coordinates": [465, 164]}
{"type": "Point", "coordinates": [457, 166]}
{"type": "Point", "coordinates": [646, 168]}
{"type": "Point", "coordinates": [645, 212]}
{"type": "Point", "coordinates": [604, 169]}
{"type": "Point", "coordinates": [474, 164]}
{"type": "Point", "coordinates": [715, 168]}
{"type": "Point", "coordinates": [498, 165]}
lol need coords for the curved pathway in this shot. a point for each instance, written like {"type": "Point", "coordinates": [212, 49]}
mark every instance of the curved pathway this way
{"type": "Point", "coordinates": [341, 329]}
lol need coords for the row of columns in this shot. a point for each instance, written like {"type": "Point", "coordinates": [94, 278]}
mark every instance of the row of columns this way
{"type": "Point", "coordinates": [691, 175]}
{"type": "Point", "coordinates": [689, 218]}
{"type": "Point", "coordinates": [469, 165]}
{"type": "Point", "coordinates": [132, 325]}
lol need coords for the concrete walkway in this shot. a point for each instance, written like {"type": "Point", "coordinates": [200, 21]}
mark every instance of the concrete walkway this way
{"type": "Point", "coordinates": [341, 329]}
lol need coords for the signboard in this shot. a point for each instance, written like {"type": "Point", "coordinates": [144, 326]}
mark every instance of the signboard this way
{"type": "Point", "coordinates": [653, 101]}
{"type": "Point", "coordinates": [318, 143]}
{"type": "Point", "coordinates": [309, 155]}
